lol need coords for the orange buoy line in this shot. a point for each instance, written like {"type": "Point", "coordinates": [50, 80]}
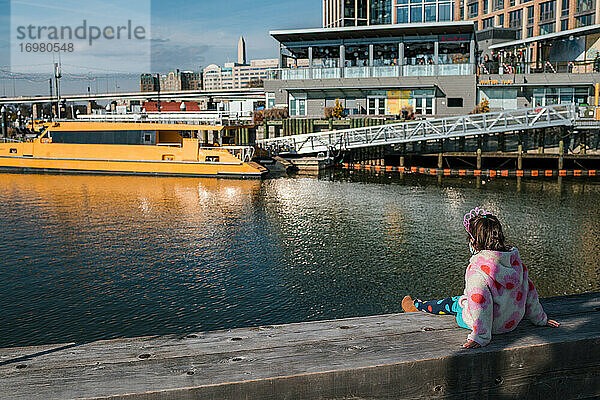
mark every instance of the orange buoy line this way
{"type": "Point", "coordinates": [491, 173]}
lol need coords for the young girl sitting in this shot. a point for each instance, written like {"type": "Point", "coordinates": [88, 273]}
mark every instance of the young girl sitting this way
{"type": "Point", "coordinates": [498, 292]}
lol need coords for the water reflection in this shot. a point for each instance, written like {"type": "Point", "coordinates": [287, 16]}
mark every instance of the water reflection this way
{"type": "Point", "coordinates": [90, 257]}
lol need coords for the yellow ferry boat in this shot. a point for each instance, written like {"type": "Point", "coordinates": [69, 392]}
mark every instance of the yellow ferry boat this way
{"type": "Point", "coordinates": [128, 148]}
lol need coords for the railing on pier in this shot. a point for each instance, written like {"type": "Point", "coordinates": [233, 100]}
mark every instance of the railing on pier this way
{"type": "Point", "coordinates": [371, 72]}
{"type": "Point", "coordinates": [542, 67]}
{"type": "Point", "coordinates": [432, 129]}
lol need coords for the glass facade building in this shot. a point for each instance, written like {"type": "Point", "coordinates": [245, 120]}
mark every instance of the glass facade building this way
{"type": "Point", "coordinates": [415, 11]}
{"type": "Point", "coordinates": [338, 13]}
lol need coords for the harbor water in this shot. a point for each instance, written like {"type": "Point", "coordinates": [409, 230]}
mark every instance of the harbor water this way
{"type": "Point", "coordinates": [84, 258]}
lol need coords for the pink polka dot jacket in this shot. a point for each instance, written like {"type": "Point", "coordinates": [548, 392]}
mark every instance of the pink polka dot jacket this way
{"type": "Point", "coordinates": [498, 295]}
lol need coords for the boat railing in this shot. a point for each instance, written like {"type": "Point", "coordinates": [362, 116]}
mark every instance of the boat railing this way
{"type": "Point", "coordinates": [174, 144]}
{"type": "Point", "coordinates": [7, 140]}
{"type": "Point", "coordinates": [244, 153]}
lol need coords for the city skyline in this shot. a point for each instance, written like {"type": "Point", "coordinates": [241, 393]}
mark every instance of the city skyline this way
{"type": "Point", "coordinates": [185, 36]}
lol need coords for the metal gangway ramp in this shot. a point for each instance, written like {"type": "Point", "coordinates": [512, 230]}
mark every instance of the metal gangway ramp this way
{"type": "Point", "coordinates": [427, 129]}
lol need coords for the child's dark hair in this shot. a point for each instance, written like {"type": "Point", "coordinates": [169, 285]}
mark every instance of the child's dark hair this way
{"type": "Point", "coordinates": [487, 232]}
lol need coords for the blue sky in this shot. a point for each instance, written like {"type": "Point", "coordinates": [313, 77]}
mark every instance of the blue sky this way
{"type": "Point", "coordinates": [206, 32]}
{"type": "Point", "coordinates": [185, 34]}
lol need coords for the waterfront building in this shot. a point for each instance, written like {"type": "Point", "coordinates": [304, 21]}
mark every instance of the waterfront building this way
{"type": "Point", "coordinates": [377, 70]}
{"type": "Point", "coordinates": [340, 13]}
{"type": "Point", "coordinates": [429, 69]}
{"type": "Point", "coordinates": [529, 18]}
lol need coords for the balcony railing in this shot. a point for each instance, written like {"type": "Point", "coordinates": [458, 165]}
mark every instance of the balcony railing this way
{"type": "Point", "coordinates": [543, 67]}
{"type": "Point", "coordinates": [388, 71]}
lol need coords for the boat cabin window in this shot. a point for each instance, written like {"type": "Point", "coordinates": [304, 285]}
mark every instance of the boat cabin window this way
{"type": "Point", "coordinates": [133, 137]}
{"type": "Point", "coordinates": [13, 151]}
{"type": "Point", "coordinates": [169, 138]}
{"type": "Point", "coordinates": [212, 158]}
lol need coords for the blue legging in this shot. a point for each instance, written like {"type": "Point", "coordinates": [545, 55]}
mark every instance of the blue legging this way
{"type": "Point", "coordinates": [439, 307]}
{"type": "Point", "coordinates": [447, 306]}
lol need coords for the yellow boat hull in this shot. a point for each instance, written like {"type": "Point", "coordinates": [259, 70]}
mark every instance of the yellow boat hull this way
{"type": "Point", "coordinates": [186, 160]}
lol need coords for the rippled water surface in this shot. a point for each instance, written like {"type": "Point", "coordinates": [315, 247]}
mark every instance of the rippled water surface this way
{"type": "Point", "coordinates": [91, 257]}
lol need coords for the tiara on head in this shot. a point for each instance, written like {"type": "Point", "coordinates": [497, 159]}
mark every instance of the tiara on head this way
{"type": "Point", "coordinates": [476, 212]}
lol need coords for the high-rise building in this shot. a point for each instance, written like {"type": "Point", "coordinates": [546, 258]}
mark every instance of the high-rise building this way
{"type": "Point", "coordinates": [339, 13]}
{"type": "Point", "coordinates": [171, 81]}
{"type": "Point", "coordinates": [148, 83]}
{"type": "Point", "coordinates": [191, 80]}
{"type": "Point", "coordinates": [530, 18]}
{"type": "Point", "coordinates": [236, 76]}
{"type": "Point", "coordinates": [242, 51]}
{"type": "Point", "coordinates": [242, 74]}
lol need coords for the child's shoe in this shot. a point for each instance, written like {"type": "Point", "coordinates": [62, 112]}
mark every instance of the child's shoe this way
{"type": "Point", "coordinates": [408, 305]}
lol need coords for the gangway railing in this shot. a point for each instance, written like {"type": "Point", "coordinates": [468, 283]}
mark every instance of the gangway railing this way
{"type": "Point", "coordinates": [427, 129]}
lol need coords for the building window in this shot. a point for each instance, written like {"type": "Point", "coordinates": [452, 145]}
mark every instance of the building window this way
{"type": "Point", "coordinates": [547, 28]}
{"type": "Point", "coordinates": [430, 12]}
{"type": "Point", "coordinates": [512, 3]}
{"type": "Point", "coordinates": [402, 15]}
{"type": "Point", "coordinates": [376, 106]}
{"type": "Point", "coordinates": [549, 95]}
{"type": "Point", "coordinates": [484, 8]}
{"type": "Point", "coordinates": [498, 5]}
{"type": "Point", "coordinates": [381, 12]}
{"type": "Point", "coordinates": [455, 102]}
{"type": "Point", "coordinates": [445, 12]}
{"type": "Point", "coordinates": [547, 11]}
{"type": "Point", "coordinates": [529, 31]}
{"type": "Point", "coordinates": [514, 19]}
{"type": "Point", "coordinates": [585, 6]}
{"type": "Point", "coordinates": [473, 10]}
{"type": "Point", "coordinates": [297, 107]}
{"type": "Point", "coordinates": [501, 20]}
{"type": "Point", "coordinates": [530, 15]}
{"type": "Point", "coordinates": [584, 20]}
{"type": "Point", "coordinates": [270, 100]}
{"type": "Point", "coordinates": [500, 98]}
{"type": "Point", "coordinates": [565, 8]}
{"type": "Point", "coordinates": [487, 22]}
{"type": "Point", "coordinates": [424, 105]}
{"type": "Point", "coordinates": [564, 24]}
{"type": "Point", "coordinates": [416, 14]}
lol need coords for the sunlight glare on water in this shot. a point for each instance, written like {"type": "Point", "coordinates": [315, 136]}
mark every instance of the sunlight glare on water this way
{"type": "Point", "coordinates": [99, 257]}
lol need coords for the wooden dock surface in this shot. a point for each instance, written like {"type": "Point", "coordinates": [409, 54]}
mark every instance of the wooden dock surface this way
{"type": "Point", "coordinates": [400, 356]}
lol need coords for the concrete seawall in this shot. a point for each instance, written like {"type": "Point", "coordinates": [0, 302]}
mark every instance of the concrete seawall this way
{"type": "Point", "coordinates": [381, 357]}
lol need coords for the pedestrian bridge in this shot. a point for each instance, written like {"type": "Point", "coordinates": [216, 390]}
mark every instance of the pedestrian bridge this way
{"type": "Point", "coordinates": [428, 129]}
